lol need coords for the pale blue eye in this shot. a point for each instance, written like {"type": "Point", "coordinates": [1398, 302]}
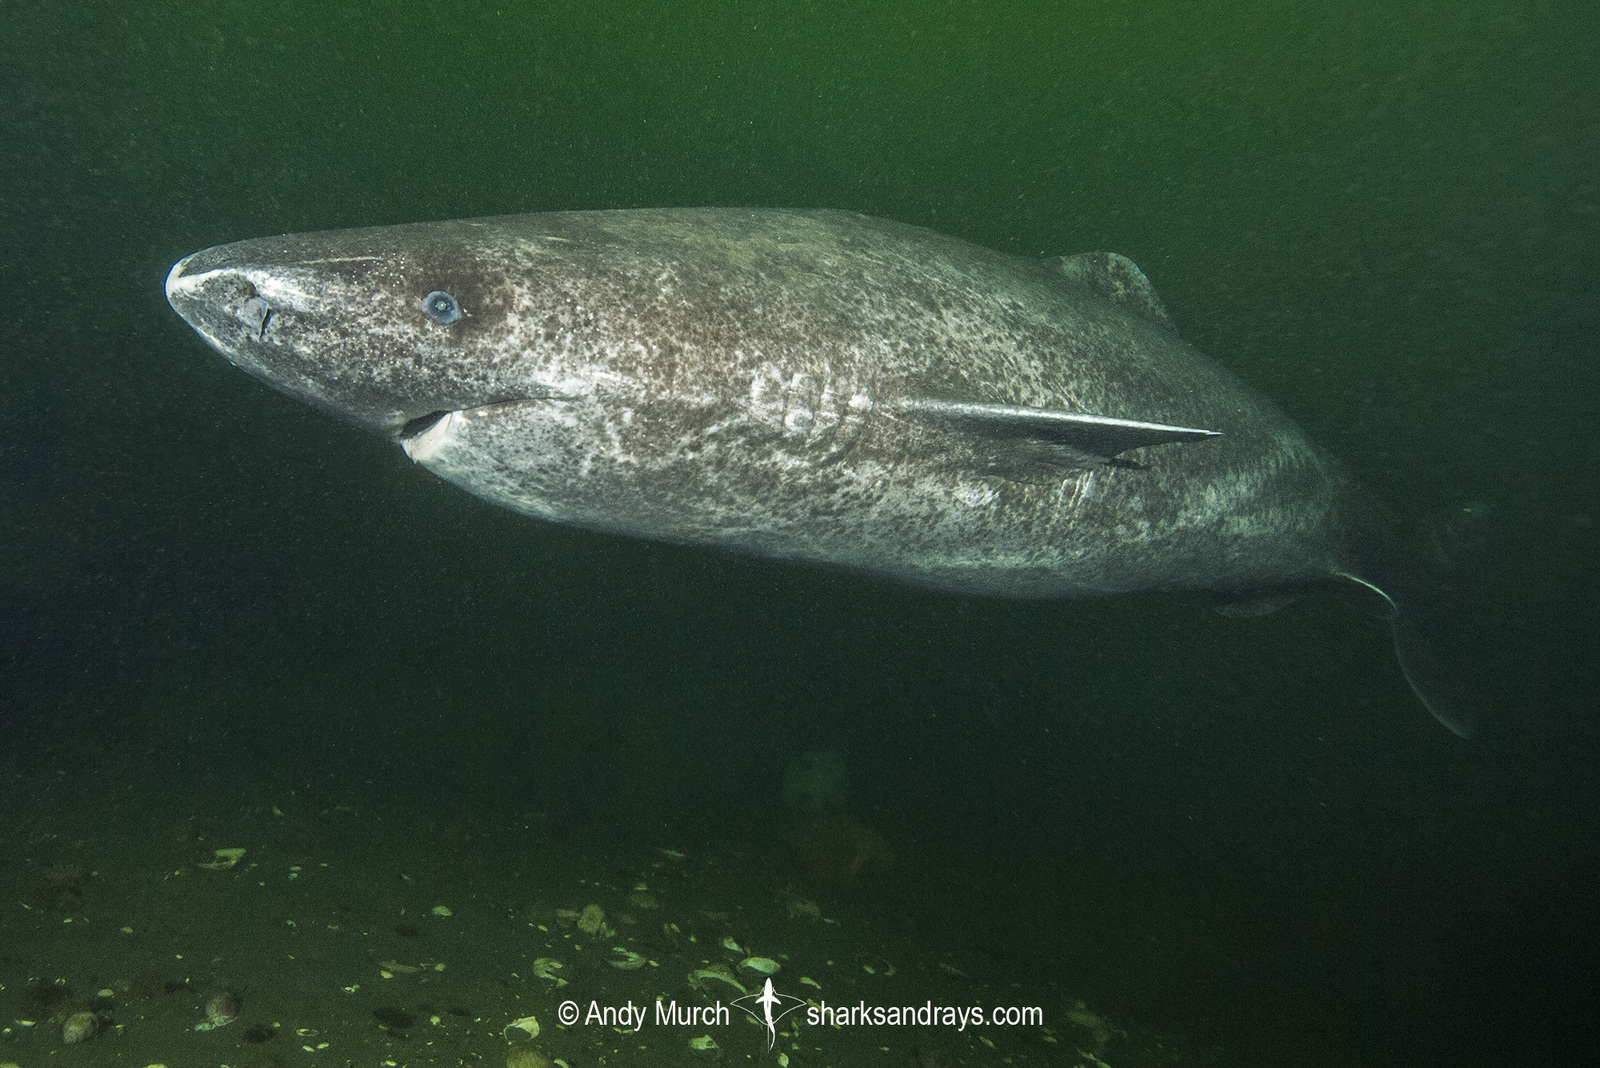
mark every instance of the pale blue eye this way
{"type": "Point", "coordinates": [441, 308]}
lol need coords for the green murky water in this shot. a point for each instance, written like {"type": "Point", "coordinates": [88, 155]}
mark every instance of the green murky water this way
{"type": "Point", "coordinates": [1239, 841]}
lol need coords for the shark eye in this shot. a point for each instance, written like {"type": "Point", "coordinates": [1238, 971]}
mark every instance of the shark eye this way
{"type": "Point", "coordinates": [441, 308]}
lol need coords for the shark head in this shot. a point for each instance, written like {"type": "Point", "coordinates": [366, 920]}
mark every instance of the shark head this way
{"type": "Point", "coordinates": [390, 328]}
{"type": "Point", "coordinates": [536, 361]}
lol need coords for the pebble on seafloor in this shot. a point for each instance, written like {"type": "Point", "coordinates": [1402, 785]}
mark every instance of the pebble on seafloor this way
{"type": "Point", "coordinates": [79, 1026]}
{"type": "Point", "coordinates": [221, 1009]}
{"type": "Point", "coordinates": [592, 919]}
{"type": "Point", "coordinates": [527, 1058]}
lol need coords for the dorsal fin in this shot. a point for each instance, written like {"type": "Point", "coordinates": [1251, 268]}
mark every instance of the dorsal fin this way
{"type": "Point", "coordinates": [1118, 279]}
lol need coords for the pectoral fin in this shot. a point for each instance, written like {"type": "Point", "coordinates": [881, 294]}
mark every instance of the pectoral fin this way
{"type": "Point", "coordinates": [1022, 440]}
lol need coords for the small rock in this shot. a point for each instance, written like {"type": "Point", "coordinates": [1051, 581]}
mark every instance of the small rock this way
{"type": "Point", "coordinates": [527, 1058]}
{"type": "Point", "coordinates": [221, 1009]}
{"type": "Point", "coordinates": [79, 1026]}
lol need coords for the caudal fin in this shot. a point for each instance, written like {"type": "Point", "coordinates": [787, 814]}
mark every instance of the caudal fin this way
{"type": "Point", "coordinates": [1429, 656]}
{"type": "Point", "coordinates": [1427, 645]}
{"type": "Point", "coordinates": [1435, 628]}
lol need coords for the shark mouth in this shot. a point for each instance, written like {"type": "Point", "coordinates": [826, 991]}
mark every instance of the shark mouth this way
{"type": "Point", "coordinates": [422, 437]}
{"type": "Point", "coordinates": [421, 425]}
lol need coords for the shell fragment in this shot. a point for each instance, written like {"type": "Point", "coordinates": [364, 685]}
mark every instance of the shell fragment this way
{"type": "Point", "coordinates": [700, 976]}
{"type": "Point", "coordinates": [627, 959]}
{"type": "Point", "coordinates": [226, 858]}
{"type": "Point", "coordinates": [760, 965]}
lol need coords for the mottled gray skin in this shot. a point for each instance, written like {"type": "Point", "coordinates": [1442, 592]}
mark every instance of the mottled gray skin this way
{"type": "Point", "coordinates": [758, 380]}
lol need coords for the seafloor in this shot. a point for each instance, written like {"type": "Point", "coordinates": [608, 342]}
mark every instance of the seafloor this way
{"type": "Point", "coordinates": [330, 934]}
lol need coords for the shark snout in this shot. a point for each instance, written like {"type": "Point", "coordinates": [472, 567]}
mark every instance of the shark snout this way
{"type": "Point", "coordinates": [219, 301]}
{"type": "Point", "coordinates": [188, 280]}
{"type": "Point", "coordinates": [182, 288]}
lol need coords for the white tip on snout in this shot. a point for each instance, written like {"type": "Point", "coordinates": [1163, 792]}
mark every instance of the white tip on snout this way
{"type": "Point", "coordinates": [175, 279]}
{"type": "Point", "coordinates": [181, 284]}
{"type": "Point", "coordinates": [424, 446]}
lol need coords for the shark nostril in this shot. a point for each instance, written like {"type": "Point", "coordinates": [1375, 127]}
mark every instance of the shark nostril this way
{"type": "Point", "coordinates": [421, 424]}
{"type": "Point", "coordinates": [253, 311]}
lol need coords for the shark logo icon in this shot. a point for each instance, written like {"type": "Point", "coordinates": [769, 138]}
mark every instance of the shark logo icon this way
{"type": "Point", "coordinates": [774, 1007]}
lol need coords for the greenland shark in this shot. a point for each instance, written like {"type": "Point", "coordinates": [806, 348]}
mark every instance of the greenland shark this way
{"type": "Point", "coordinates": [816, 386]}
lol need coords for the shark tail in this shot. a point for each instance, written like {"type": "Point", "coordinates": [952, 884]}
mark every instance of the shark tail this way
{"type": "Point", "coordinates": [1435, 629]}
{"type": "Point", "coordinates": [1422, 645]}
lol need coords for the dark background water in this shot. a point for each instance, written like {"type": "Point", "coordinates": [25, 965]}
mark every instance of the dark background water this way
{"type": "Point", "coordinates": [1381, 214]}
